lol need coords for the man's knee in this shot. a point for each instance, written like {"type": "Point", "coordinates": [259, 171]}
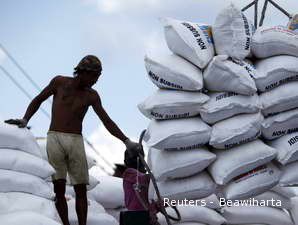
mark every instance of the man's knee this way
{"type": "Point", "coordinates": [80, 190]}
{"type": "Point", "coordinates": [59, 188]}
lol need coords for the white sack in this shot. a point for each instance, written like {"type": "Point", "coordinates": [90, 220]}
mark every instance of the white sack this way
{"type": "Point", "coordinates": [232, 33]}
{"type": "Point", "coordinates": [13, 137]}
{"type": "Point", "coordinates": [173, 72]}
{"type": "Point", "coordinates": [223, 105]}
{"type": "Point", "coordinates": [93, 208]}
{"type": "Point", "coordinates": [256, 215]}
{"type": "Point", "coordinates": [189, 223]}
{"type": "Point", "coordinates": [287, 148]}
{"type": "Point", "coordinates": [285, 203]}
{"type": "Point", "coordinates": [93, 182]}
{"type": "Point", "coordinates": [194, 213]}
{"type": "Point", "coordinates": [12, 202]}
{"type": "Point", "coordinates": [24, 162]}
{"type": "Point", "coordinates": [240, 159]}
{"type": "Point", "coordinates": [195, 187]}
{"type": "Point", "coordinates": [289, 175]}
{"type": "Point", "coordinates": [271, 41]}
{"type": "Point", "coordinates": [236, 130]}
{"type": "Point", "coordinates": [288, 192]}
{"type": "Point", "coordinates": [26, 217]}
{"type": "Point", "coordinates": [281, 124]}
{"type": "Point", "coordinates": [170, 104]}
{"type": "Point", "coordinates": [211, 202]}
{"type": "Point", "coordinates": [252, 183]}
{"type": "Point", "coordinates": [192, 41]}
{"type": "Point", "coordinates": [178, 164]}
{"type": "Point", "coordinates": [12, 181]}
{"type": "Point", "coordinates": [182, 134]}
{"type": "Point", "coordinates": [96, 219]}
{"type": "Point", "coordinates": [280, 99]}
{"type": "Point", "coordinates": [115, 212]}
{"type": "Point", "coordinates": [108, 186]}
{"type": "Point", "coordinates": [275, 71]}
{"type": "Point", "coordinates": [294, 210]}
{"type": "Point", "coordinates": [224, 74]}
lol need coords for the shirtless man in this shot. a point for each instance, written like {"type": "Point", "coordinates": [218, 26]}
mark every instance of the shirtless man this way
{"type": "Point", "coordinates": [72, 97]}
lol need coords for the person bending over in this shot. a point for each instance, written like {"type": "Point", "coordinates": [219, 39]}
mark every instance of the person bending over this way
{"type": "Point", "coordinates": [72, 97]}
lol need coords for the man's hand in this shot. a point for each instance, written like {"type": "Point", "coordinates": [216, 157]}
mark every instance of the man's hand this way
{"type": "Point", "coordinates": [133, 148]}
{"type": "Point", "coordinates": [19, 122]}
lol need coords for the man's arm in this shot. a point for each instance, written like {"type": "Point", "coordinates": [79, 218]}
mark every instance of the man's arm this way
{"type": "Point", "coordinates": [35, 104]}
{"type": "Point", "coordinates": [131, 147]}
{"type": "Point", "coordinates": [106, 120]}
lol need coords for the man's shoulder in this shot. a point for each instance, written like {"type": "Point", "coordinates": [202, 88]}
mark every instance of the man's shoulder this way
{"type": "Point", "coordinates": [93, 94]}
{"type": "Point", "coordinates": [62, 78]}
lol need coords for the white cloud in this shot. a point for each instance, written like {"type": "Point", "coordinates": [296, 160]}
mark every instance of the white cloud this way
{"type": "Point", "coordinates": [131, 26]}
{"type": "Point", "coordinates": [116, 6]}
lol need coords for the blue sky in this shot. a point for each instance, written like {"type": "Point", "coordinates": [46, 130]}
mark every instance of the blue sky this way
{"type": "Point", "coordinates": [50, 37]}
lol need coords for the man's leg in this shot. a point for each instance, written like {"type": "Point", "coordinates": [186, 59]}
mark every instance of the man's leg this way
{"type": "Point", "coordinates": [60, 201]}
{"type": "Point", "coordinates": [81, 203]}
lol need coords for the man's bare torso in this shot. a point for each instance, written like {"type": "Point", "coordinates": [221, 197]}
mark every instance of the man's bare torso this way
{"type": "Point", "coordinates": [69, 106]}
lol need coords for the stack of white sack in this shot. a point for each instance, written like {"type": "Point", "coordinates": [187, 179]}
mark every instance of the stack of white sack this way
{"type": "Point", "coordinates": [25, 196]}
{"type": "Point", "coordinates": [276, 80]}
{"type": "Point", "coordinates": [243, 166]}
{"type": "Point", "coordinates": [109, 193]}
{"type": "Point", "coordinates": [287, 157]}
{"type": "Point", "coordinates": [97, 215]}
{"type": "Point", "coordinates": [176, 135]}
{"type": "Point", "coordinates": [184, 152]}
{"type": "Point", "coordinates": [176, 130]}
{"type": "Point", "coordinates": [194, 215]}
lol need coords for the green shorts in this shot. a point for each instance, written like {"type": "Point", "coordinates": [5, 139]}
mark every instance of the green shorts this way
{"type": "Point", "coordinates": [66, 153]}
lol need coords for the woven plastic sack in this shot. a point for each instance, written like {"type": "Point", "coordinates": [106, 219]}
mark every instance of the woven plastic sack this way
{"type": "Point", "coordinates": [192, 41]}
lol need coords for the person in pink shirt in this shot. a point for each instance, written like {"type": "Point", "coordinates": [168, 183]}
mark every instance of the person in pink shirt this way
{"type": "Point", "coordinates": [135, 184]}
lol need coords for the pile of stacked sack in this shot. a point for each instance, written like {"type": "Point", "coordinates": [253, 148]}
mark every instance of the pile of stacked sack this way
{"type": "Point", "coordinates": [224, 120]}
{"type": "Point", "coordinates": [26, 191]}
{"type": "Point", "coordinates": [25, 196]}
{"type": "Point", "coordinates": [98, 199]}
{"type": "Point", "coordinates": [109, 193]}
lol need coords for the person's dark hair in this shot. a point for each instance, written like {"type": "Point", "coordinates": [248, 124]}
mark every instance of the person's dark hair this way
{"type": "Point", "coordinates": [88, 63]}
{"type": "Point", "coordinates": [133, 162]}
{"type": "Point", "coordinates": [77, 71]}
